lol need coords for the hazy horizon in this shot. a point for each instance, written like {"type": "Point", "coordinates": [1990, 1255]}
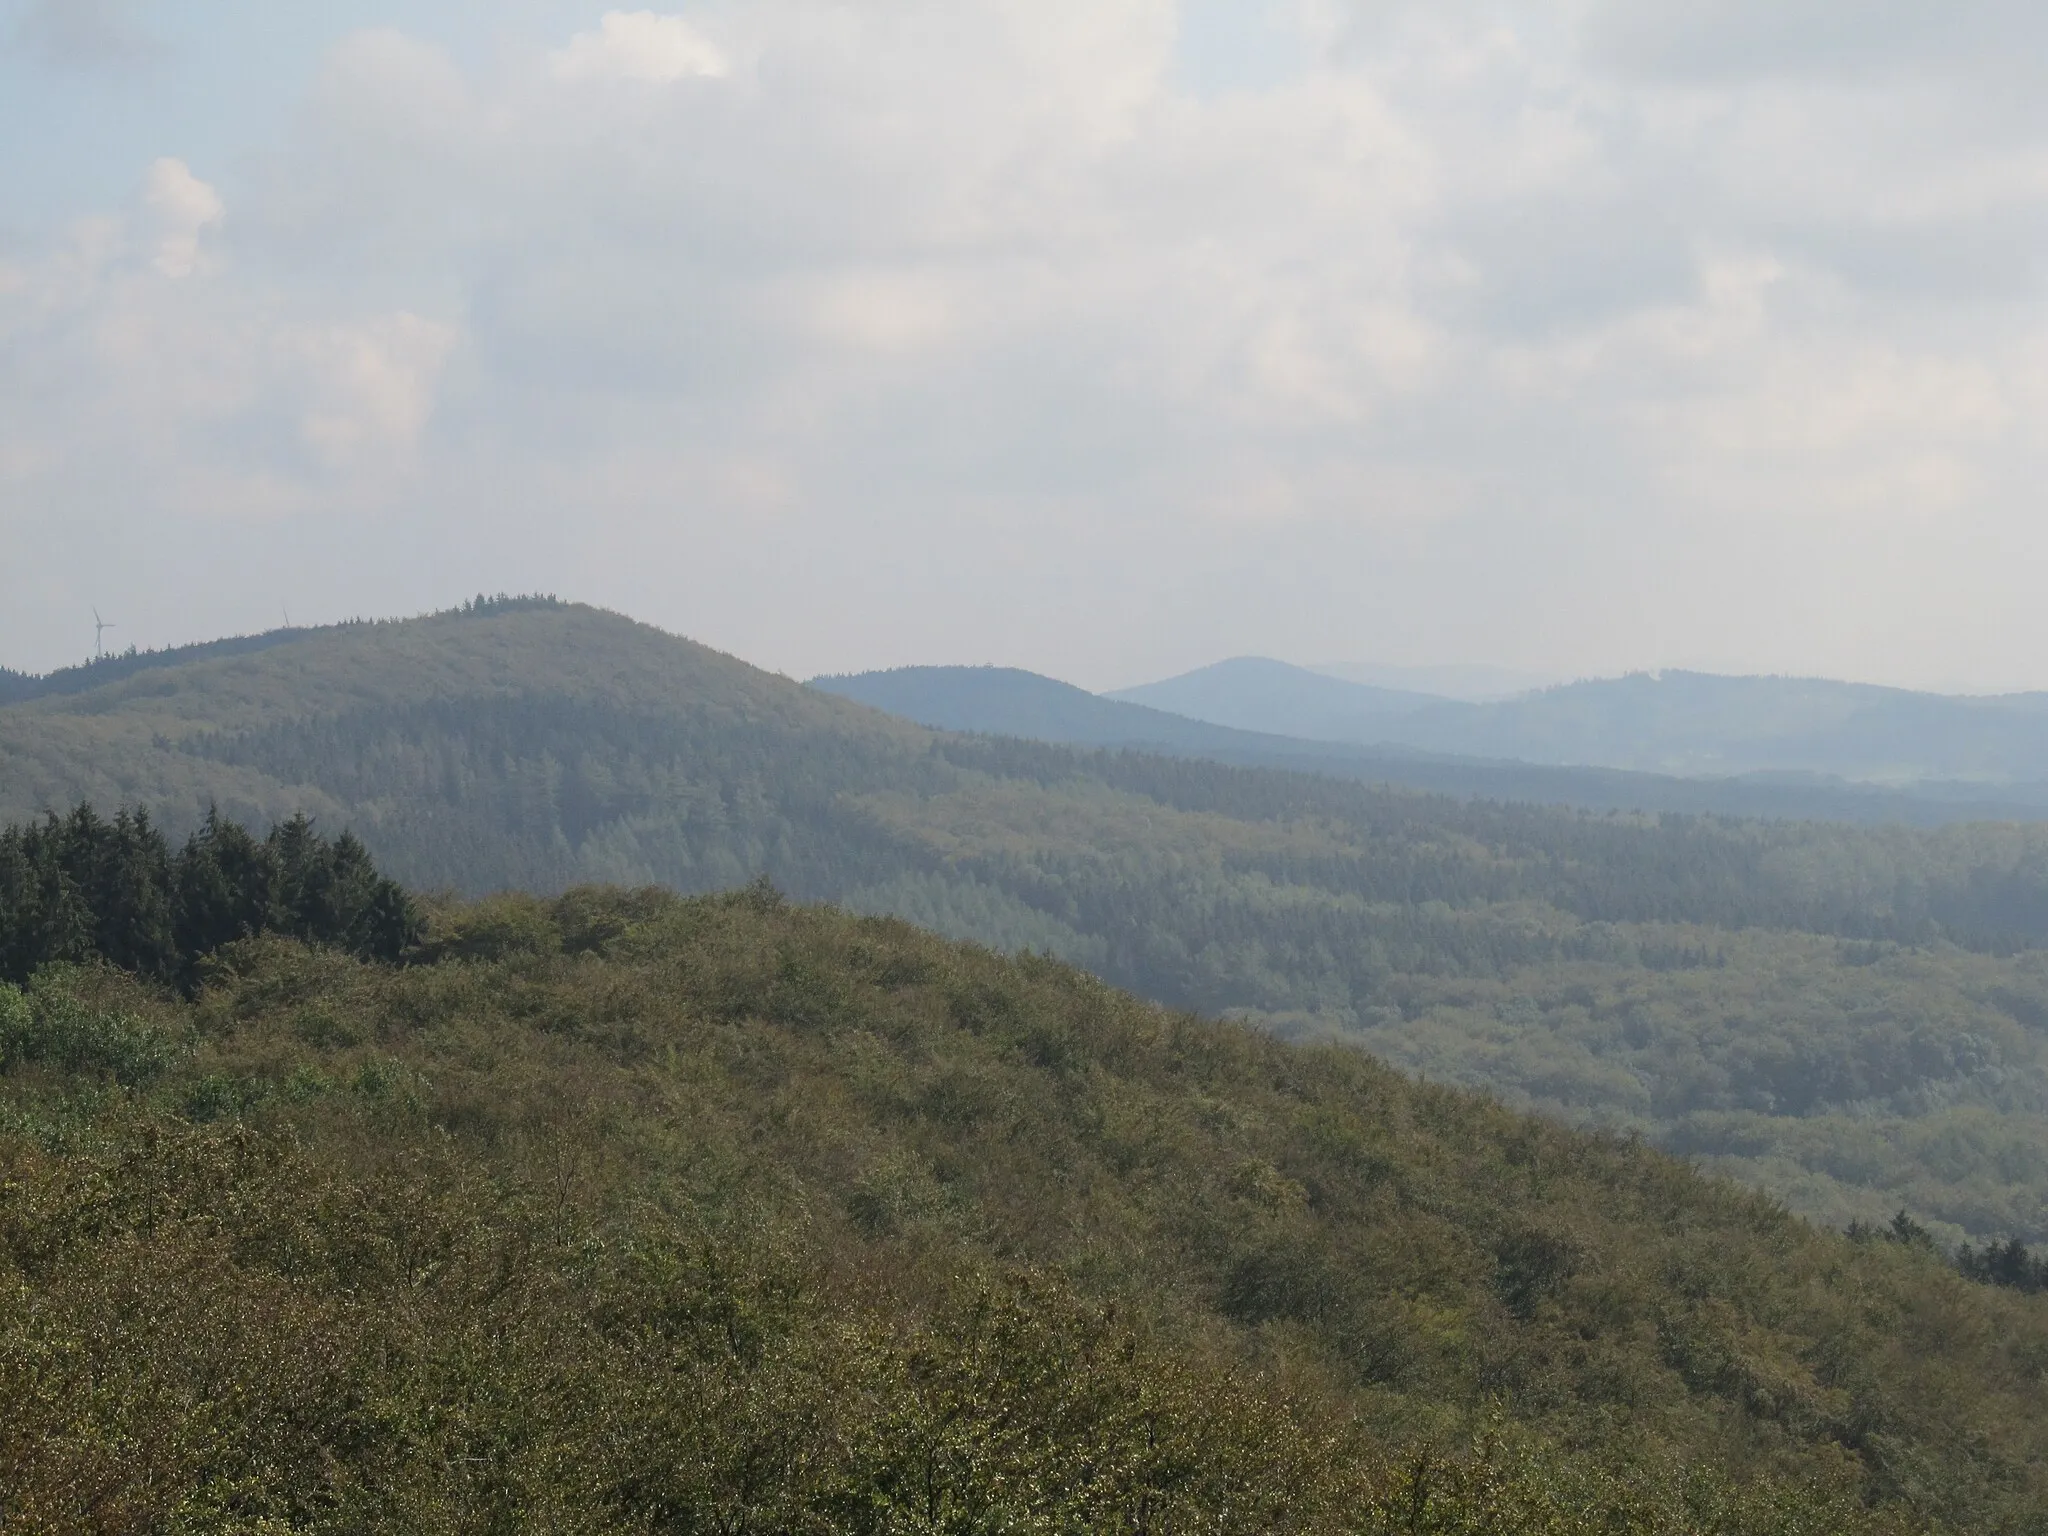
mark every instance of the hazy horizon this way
{"type": "Point", "coordinates": [1106, 340]}
{"type": "Point", "coordinates": [1454, 680]}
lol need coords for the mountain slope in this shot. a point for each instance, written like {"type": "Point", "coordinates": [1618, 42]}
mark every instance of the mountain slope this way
{"type": "Point", "coordinates": [478, 747]}
{"type": "Point", "coordinates": [1853, 1017]}
{"type": "Point", "coordinates": [1473, 683]}
{"type": "Point", "coordinates": [17, 687]}
{"type": "Point", "coordinates": [631, 1213]}
{"type": "Point", "coordinates": [1673, 722]}
{"type": "Point", "coordinates": [1696, 723]}
{"type": "Point", "coordinates": [1253, 693]}
{"type": "Point", "coordinates": [1008, 702]}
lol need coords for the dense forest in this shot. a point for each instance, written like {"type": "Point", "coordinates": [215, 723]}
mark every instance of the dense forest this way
{"type": "Point", "coordinates": [624, 1211]}
{"type": "Point", "coordinates": [85, 888]}
{"type": "Point", "coordinates": [1854, 1018]}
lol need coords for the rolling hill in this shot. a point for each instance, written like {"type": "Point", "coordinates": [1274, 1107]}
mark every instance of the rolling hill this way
{"type": "Point", "coordinates": [1674, 722]}
{"type": "Point", "coordinates": [1253, 693]}
{"type": "Point", "coordinates": [1852, 1017]}
{"type": "Point", "coordinates": [624, 1212]}
{"type": "Point", "coordinates": [1008, 702]}
{"type": "Point", "coordinates": [1475, 683]}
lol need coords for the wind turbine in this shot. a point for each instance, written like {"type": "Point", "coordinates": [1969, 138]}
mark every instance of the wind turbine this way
{"type": "Point", "coordinates": [99, 629]}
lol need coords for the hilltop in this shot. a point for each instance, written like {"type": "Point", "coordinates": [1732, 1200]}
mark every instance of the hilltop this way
{"type": "Point", "coordinates": [1672, 722]}
{"type": "Point", "coordinates": [1007, 701]}
{"type": "Point", "coordinates": [1853, 1018]}
{"type": "Point", "coordinates": [624, 1211]}
{"type": "Point", "coordinates": [428, 736]}
{"type": "Point", "coordinates": [1257, 713]}
{"type": "Point", "coordinates": [1255, 693]}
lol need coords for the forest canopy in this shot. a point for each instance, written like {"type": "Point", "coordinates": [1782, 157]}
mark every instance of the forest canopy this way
{"type": "Point", "coordinates": [623, 1212]}
{"type": "Point", "coordinates": [1851, 1017]}
{"type": "Point", "coordinates": [83, 887]}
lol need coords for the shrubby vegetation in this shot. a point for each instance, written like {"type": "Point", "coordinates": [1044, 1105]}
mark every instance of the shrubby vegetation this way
{"type": "Point", "coordinates": [624, 1211]}
{"type": "Point", "coordinates": [1852, 1018]}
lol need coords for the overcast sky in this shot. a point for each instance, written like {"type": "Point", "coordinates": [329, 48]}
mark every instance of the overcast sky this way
{"type": "Point", "coordinates": [1104, 337]}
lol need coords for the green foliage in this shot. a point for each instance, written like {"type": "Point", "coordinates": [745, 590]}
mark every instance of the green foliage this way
{"type": "Point", "coordinates": [79, 888]}
{"type": "Point", "coordinates": [53, 1028]}
{"type": "Point", "coordinates": [633, 1212]}
{"type": "Point", "coordinates": [2008, 1264]}
{"type": "Point", "coordinates": [1851, 1018]}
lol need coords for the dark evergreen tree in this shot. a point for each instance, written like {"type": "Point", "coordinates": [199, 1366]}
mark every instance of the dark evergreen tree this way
{"type": "Point", "coordinates": [130, 892]}
{"type": "Point", "coordinates": [2008, 1264]}
{"type": "Point", "coordinates": [224, 887]}
{"type": "Point", "coordinates": [82, 888]}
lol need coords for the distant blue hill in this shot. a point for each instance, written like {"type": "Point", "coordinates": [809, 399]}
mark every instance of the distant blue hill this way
{"type": "Point", "coordinates": [1005, 701]}
{"type": "Point", "coordinates": [1696, 722]}
{"type": "Point", "coordinates": [1474, 682]}
{"type": "Point", "coordinates": [1679, 723]}
{"type": "Point", "coordinates": [1253, 693]}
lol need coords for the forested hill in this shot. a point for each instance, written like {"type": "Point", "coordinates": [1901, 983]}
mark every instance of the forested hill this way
{"type": "Point", "coordinates": [1853, 1017]}
{"type": "Point", "coordinates": [18, 686]}
{"type": "Point", "coordinates": [481, 748]}
{"type": "Point", "coordinates": [1673, 722]}
{"type": "Point", "coordinates": [624, 1213]}
{"type": "Point", "coordinates": [1370, 746]}
{"type": "Point", "coordinates": [1256, 693]}
{"type": "Point", "coordinates": [1007, 701]}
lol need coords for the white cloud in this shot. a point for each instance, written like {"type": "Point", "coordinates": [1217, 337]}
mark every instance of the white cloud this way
{"type": "Point", "coordinates": [965, 328]}
{"type": "Point", "coordinates": [640, 45]}
{"type": "Point", "coordinates": [886, 312]}
{"type": "Point", "coordinates": [179, 205]}
{"type": "Point", "coordinates": [371, 385]}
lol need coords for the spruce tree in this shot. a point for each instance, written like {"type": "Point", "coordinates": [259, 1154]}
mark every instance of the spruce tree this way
{"type": "Point", "coordinates": [82, 888]}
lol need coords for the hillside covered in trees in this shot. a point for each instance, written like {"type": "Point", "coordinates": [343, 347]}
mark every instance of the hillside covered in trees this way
{"type": "Point", "coordinates": [1267, 696]}
{"type": "Point", "coordinates": [625, 1211]}
{"type": "Point", "coordinates": [1854, 1018]}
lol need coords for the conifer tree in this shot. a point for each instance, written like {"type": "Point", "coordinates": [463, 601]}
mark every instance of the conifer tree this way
{"type": "Point", "coordinates": [83, 888]}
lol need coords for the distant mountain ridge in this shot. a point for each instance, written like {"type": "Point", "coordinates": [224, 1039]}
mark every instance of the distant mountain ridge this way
{"type": "Point", "coordinates": [1007, 701]}
{"type": "Point", "coordinates": [1473, 682]}
{"type": "Point", "coordinates": [1254, 693]}
{"type": "Point", "coordinates": [1673, 722]}
{"type": "Point", "coordinates": [1586, 964]}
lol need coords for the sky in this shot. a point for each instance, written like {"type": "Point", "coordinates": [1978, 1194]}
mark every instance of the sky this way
{"type": "Point", "coordinates": [1102, 337]}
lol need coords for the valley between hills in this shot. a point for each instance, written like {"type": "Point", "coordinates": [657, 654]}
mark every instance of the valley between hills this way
{"type": "Point", "coordinates": [1147, 1141]}
{"type": "Point", "coordinates": [1852, 1017]}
